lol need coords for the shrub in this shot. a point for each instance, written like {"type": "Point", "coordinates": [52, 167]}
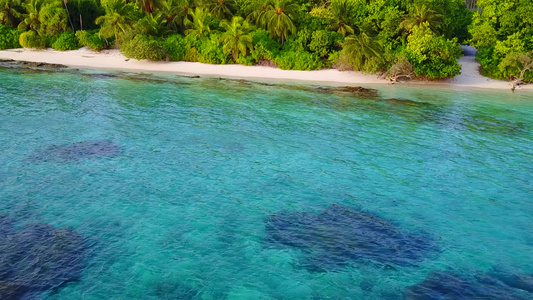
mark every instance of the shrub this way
{"type": "Point", "coordinates": [298, 42]}
{"type": "Point", "coordinates": [333, 58]}
{"type": "Point", "coordinates": [518, 65]}
{"type": "Point", "coordinates": [9, 37]}
{"type": "Point", "coordinates": [176, 47]}
{"type": "Point", "coordinates": [30, 39]}
{"type": "Point", "coordinates": [143, 47]}
{"type": "Point", "coordinates": [66, 41]}
{"type": "Point", "coordinates": [265, 47]}
{"type": "Point", "coordinates": [433, 56]}
{"type": "Point", "coordinates": [323, 42]}
{"type": "Point", "coordinates": [210, 51]}
{"type": "Point", "coordinates": [49, 39]}
{"type": "Point", "coordinates": [192, 54]}
{"type": "Point", "coordinates": [298, 60]}
{"type": "Point", "coordinates": [91, 39]}
{"type": "Point", "coordinates": [489, 62]}
{"type": "Point", "coordinates": [246, 60]}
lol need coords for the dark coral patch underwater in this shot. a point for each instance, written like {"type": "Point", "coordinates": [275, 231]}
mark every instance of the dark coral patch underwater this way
{"type": "Point", "coordinates": [38, 257]}
{"type": "Point", "coordinates": [339, 234]}
{"type": "Point", "coordinates": [77, 151]}
{"type": "Point", "coordinates": [493, 286]}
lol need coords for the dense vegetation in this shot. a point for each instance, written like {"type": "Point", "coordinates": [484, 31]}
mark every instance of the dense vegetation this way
{"type": "Point", "coordinates": [396, 37]}
{"type": "Point", "coordinates": [503, 34]}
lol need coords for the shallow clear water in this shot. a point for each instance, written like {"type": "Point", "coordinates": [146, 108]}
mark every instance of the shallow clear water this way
{"type": "Point", "coordinates": [180, 212]}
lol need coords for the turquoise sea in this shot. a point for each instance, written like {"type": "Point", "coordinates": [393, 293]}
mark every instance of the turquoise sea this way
{"type": "Point", "coordinates": [173, 183]}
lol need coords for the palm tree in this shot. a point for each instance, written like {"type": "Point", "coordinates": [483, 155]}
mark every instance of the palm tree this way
{"type": "Point", "coordinates": [420, 15]}
{"type": "Point", "coordinates": [341, 10]}
{"type": "Point", "coordinates": [53, 17]}
{"type": "Point", "coordinates": [117, 19]}
{"type": "Point", "coordinates": [177, 11]}
{"type": "Point", "coordinates": [236, 39]}
{"type": "Point", "coordinates": [219, 8]}
{"type": "Point", "coordinates": [150, 24]}
{"type": "Point", "coordinates": [277, 18]}
{"type": "Point", "coordinates": [255, 9]}
{"type": "Point", "coordinates": [358, 49]}
{"type": "Point", "coordinates": [199, 27]}
{"type": "Point", "coordinates": [31, 18]}
{"type": "Point", "coordinates": [10, 12]}
{"type": "Point", "coordinates": [148, 6]}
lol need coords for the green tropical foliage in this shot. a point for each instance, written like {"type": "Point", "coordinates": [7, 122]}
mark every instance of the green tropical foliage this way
{"type": "Point", "coordinates": [277, 17]}
{"type": "Point", "coordinates": [9, 37]}
{"type": "Point", "coordinates": [516, 64]}
{"type": "Point", "coordinates": [420, 14]}
{"type": "Point", "coordinates": [66, 41]}
{"type": "Point", "coordinates": [221, 9]}
{"type": "Point", "coordinates": [11, 12]}
{"type": "Point", "coordinates": [340, 14]}
{"type": "Point", "coordinates": [502, 30]}
{"type": "Point", "coordinates": [199, 26]}
{"type": "Point", "coordinates": [144, 47]}
{"type": "Point", "coordinates": [30, 39]}
{"type": "Point", "coordinates": [118, 19]}
{"type": "Point", "coordinates": [384, 36]}
{"type": "Point", "coordinates": [433, 56]}
{"type": "Point", "coordinates": [176, 12]}
{"type": "Point", "coordinates": [31, 19]}
{"type": "Point", "coordinates": [236, 39]}
{"type": "Point", "coordinates": [91, 39]}
{"type": "Point", "coordinates": [362, 52]}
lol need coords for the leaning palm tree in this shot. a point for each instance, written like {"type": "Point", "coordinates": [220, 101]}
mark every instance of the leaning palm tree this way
{"type": "Point", "coordinates": [176, 12]}
{"type": "Point", "coordinates": [149, 6]}
{"type": "Point", "coordinates": [254, 9]}
{"type": "Point", "coordinates": [278, 18]}
{"type": "Point", "coordinates": [419, 15]}
{"type": "Point", "coordinates": [341, 11]}
{"type": "Point", "coordinates": [359, 49]}
{"type": "Point", "coordinates": [200, 26]}
{"type": "Point", "coordinates": [219, 8]}
{"type": "Point", "coordinates": [10, 12]}
{"type": "Point", "coordinates": [236, 39]}
{"type": "Point", "coordinates": [151, 24]}
{"type": "Point", "coordinates": [117, 19]}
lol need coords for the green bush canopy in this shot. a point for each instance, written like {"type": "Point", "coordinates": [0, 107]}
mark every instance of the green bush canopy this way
{"type": "Point", "coordinates": [368, 36]}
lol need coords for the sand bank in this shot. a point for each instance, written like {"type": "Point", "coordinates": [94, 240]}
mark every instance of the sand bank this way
{"type": "Point", "coordinates": [114, 60]}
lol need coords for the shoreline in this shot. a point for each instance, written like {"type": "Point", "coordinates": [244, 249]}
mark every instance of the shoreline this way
{"type": "Point", "coordinates": [114, 60]}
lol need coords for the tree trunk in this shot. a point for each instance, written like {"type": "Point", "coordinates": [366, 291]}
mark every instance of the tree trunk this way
{"type": "Point", "coordinates": [147, 7]}
{"type": "Point", "coordinates": [68, 14]}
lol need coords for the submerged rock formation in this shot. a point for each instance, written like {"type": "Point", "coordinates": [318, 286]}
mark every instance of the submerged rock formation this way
{"type": "Point", "coordinates": [37, 258]}
{"type": "Point", "coordinates": [340, 234]}
{"type": "Point", "coordinates": [30, 65]}
{"type": "Point", "coordinates": [447, 285]}
{"type": "Point", "coordinates": [355, 91]}
{"type": "Point", "coordinates": [77, 151]}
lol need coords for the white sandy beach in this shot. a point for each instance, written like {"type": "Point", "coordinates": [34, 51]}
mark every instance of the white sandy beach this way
{"type": "Point", "coordinates": [114, 60]}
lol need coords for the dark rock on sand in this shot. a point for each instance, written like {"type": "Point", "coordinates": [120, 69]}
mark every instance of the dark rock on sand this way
{"type": "Point", "coordinates": [355, 91]}
{"type": "Point", "coordinates": [37, 258]}
{"type": "Point", "coordinates": [77, 151]}
{"type": "Point", "coordinates": [447, 285]}
{"type": "Point", "coordinates": [32, 64]}
{"type": "Point", "coordinates": [339, 234]}
{"type": "Point", "coordinates": [397, 101]}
